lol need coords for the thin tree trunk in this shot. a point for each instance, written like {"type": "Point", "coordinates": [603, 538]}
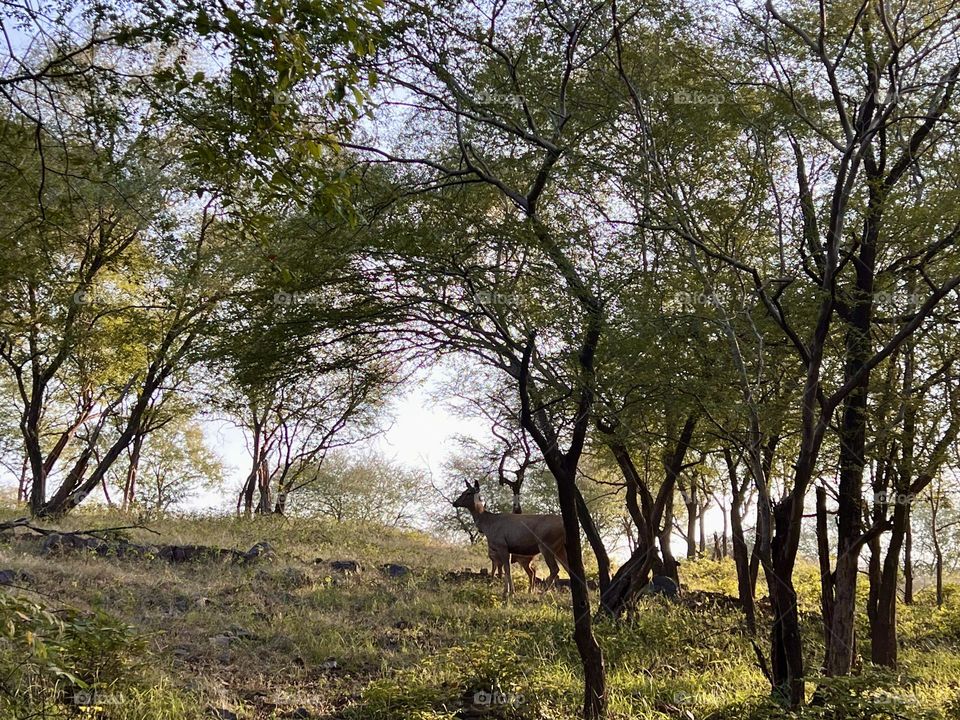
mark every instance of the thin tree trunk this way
{"type": "Point", "coordinates": [23, 492]}
{"type": "Point", "coordinates": [563, 466]}
{"type": "Point", "coordinates": [823, 555]}
{"type": "Point", "coordinates": [883, 620]}
{"type": "Point", "coordinates": [745, 581]}
{"type": "Point", "coordinates": [908, 561]}
{"type": "Point", "coordinates": [701, 519]}
{"type": "Point", "coordinates": [633, 575]}
{"type": "Point", "coordinates": [130, 485]}
{"type": "Point", "coordinates": [786, 643]}
{"type": "Point", "coordinates": [596, 542]}
{"type": "Point", "coordinates": [690, 502]}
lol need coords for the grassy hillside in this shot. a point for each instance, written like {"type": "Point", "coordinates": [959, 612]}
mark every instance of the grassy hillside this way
{"type": "Point", "coordinates": [288, 636]}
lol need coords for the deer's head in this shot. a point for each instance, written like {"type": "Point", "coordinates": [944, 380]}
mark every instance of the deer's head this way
{"type": "Point", "coordinates": [470, 498]}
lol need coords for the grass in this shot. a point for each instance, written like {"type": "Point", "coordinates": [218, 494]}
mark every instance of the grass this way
{"type": "Point", "coordinates": [148, 639]}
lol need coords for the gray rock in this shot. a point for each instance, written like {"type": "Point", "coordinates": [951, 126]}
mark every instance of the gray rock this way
{"type": "Point", "coordinates": [262, 550]}
{"type": "Point", "coordinates": [52, 544]}
{"type": "Point", "coordinates": [345, 566]}
{"type": "Point", "coordinates": [222, 640]}
{"type": "Point", "coordinates": [393, 570]}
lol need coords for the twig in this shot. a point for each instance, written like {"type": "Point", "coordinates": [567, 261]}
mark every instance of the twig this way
{"type": "Point", "coordinates": [761, 661]}
{"type": "Point", "coordinates": [25, 522]}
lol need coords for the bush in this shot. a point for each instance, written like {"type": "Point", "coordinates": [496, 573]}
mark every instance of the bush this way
{"type": "Point", "coordinates": [60, 663]}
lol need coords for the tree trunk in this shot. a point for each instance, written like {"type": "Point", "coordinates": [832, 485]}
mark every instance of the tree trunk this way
{"type": "Point", "coordinates": [263, 486]}
{"type": "Point", "coordinates": [590, 653]}
{"type": "Point", "coordinates": [823, 555]}
{"type": "Point", "coordinates": [701, 521]}
{"type": "Point", "coordinates": [130, 484]}
{"type": "Point", "coordinates": [29, 427]}
{"type": "Point", "coordinates": [23, 489]}
{"type": "Point", "coordinates": [908, 561]}
{"type": "Point", "coordinates": [937, 552]}
{"type": "Point", "coordinates": [671, 568]}
{"type": "Point", "coordinates": [740, 559]}
{"type": "Point", "coordinates": [106, 491]}
{"type": "Point", "coordinates": [633, 575]}
{"type": "Point", "coordinates": [596, 542]}
{"type": "Point", "coordinates": [883, 615]}
{"type": "Point", "coordinates": [563, 466]}
{"type": "Point", "coordinates": [852, 436]}
{"type": "Point", "coordinates": [726, 531]}
{"type": "Point", "coordinates": [786, 644]}
{"type": "Point", "coordinates": [690, 502]}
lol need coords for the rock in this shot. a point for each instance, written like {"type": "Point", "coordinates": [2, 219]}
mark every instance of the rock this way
{"type": "Point", "coordinates": [8, 577]}
{"type": "Point", "coordinates": [132, 550]}
{"type": "Point", "coordinates": [240, 632]}
{"type": "Point", "coordinates": [661, 585]}
{"type": "Point", "coordinates": [189, 553]}
{"type": "Point", "coordinates": [173, 553]}
{"type": "Point", "coordinates": [52, 544]}
{"type": "Point", "coordinates": [345, 566]}
{"type": "Point", "coordinates": [262, 550]}
{"type": "Point", "coordinates": [222, 640]}
{"type": "Point", "coordinates": [393, 570]}
{"type": "Point", "coordinates": [330, 664]}
{"type": "Point", "coordinates": [221, 713]}
{"type": "Point", "coordinates": [301, 713]}
{"type": "Point", "coordinates": [289, 577]}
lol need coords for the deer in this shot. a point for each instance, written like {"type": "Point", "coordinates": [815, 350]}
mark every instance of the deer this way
{"type": "Point", "coordinates": [524, 561]}
{"type": "Point", "coordinates": [516, 534]}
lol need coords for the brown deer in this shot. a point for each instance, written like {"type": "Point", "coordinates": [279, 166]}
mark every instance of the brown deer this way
{"type": "Point", "coordinates": [517, 534]}
{"type": "Point", "coordinates": [524, 561]}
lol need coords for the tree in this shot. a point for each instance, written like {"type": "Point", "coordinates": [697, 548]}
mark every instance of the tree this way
{"type": "Point", "coordinates": [177, 463]}
{"type": "Point", "coordinates": [361, 488]}
{"type": "Point", "coordinates": [291, 423]}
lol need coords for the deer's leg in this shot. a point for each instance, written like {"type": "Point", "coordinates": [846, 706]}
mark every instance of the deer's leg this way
{"type": "Point", "coordinates": [561, 553]}
{"type": "Point", "coordinates": [496, 566]}
{"type": "Point", "coordinates": [531, 571]}
{"type": "Point", "coordinates": [503, 559]}
{"type": "Point", "coordinates": [550, 559]}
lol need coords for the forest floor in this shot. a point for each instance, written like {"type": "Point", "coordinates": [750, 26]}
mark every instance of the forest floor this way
{"type": "Point", "coordinates": [289, 635]}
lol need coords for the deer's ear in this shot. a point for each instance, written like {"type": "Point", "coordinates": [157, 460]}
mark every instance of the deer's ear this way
{"type": "Point", "coordinates": [476, 485]}
{"type": "Point", "coordinates": [467, 483]}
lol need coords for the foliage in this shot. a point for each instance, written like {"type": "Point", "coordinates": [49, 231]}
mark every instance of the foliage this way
{"type": "Point", "coordinates": [366, 488]}
{"type": "Point", "coordinates": [65, 657]}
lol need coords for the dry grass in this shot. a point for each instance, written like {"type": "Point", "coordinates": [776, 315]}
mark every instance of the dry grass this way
{"type": "Point", "coordinates": [287, 634]}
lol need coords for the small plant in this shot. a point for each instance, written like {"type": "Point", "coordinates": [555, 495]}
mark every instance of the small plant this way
{"type": "Point", "coordinates": [55, 659]}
